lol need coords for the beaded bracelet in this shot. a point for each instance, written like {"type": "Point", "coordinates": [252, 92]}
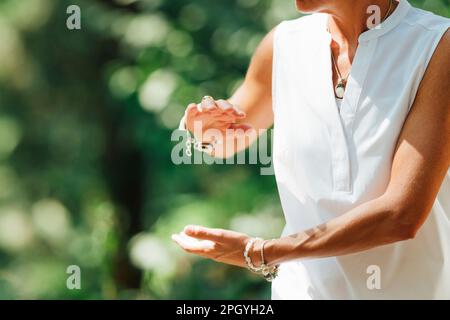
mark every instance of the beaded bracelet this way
{"type": "Point", "coordinates": [268, 272]}
{"type": "Point", "coordinates": [248, 260]}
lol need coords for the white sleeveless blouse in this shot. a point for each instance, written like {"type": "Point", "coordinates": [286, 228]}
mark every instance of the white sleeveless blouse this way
{"type": "Point", "coordinates": [328, 162]}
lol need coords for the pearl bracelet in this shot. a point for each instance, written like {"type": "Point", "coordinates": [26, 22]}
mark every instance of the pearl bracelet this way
{"type": "Point", "coordinates": [268, 272]}
{"type": "Point", "coordinates": [248, 260]}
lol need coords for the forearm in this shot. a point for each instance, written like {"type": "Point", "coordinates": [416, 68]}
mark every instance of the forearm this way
{"type": "Point", "coordinates": [370, 225]}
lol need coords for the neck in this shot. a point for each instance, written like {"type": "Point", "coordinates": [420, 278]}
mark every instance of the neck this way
{"type": "Point", "coordinates": [350, 19]}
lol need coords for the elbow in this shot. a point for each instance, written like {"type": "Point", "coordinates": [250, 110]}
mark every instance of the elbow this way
{"type": "Point", "coordinates": [407, 222]}
{"type": "Point", "coordinates": [408, 232]}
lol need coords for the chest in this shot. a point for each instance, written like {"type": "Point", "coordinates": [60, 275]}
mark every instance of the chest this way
{"type": "Point", "coordinates": [346, 148]}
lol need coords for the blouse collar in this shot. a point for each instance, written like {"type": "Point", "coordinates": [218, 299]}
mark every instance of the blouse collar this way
{"type": "Point", "coordinates": [384, 27]}
{"type": "Point", "coordinates": [387, 25]}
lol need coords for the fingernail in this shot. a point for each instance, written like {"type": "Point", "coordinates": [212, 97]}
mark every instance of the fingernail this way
{"type": "Point", "coordinates": [208, 101]}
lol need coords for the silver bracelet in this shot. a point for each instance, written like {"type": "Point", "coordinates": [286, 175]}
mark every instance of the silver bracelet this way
{"type": "Point", "coordinates": [207, 147]}
{"type": "Point", "coordinates": [269, 272]}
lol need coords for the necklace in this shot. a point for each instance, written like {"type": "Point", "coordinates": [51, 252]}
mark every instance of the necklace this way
{"type": "Point", "coordinates": [339, 90]}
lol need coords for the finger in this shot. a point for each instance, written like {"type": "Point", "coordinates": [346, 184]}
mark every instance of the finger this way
{"type": "Point", "coordinates": [185, 245]}
{"type": "Point", "coordinates": [195, 243]}
{"type": "Point", "coordinates": [208, 104]}
{"type": "Point", "coordinates": [191, 109]}
{"type": "Point", "coordinates": [239, 112]}
{"type": "Point", "coordinates": [204, 233]}
{"type": "Point", "coordinates": [226, 106]}
{"type": "Point", "coordinates": [192, 245]}
{"type": "Point", "coordinates": [201, 244]}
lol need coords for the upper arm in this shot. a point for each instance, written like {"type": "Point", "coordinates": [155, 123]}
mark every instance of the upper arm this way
{"type": "Point", "coordinates": [422, 157]}
{"type": "Point", "coordinates": [255, 94]}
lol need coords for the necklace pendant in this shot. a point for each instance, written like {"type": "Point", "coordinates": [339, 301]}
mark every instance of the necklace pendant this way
{"type": "Point", "coordinates": [340, 89]}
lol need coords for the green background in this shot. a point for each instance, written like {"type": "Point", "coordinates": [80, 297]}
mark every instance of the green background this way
{"type": "Point", "coordinates": [86, 116]}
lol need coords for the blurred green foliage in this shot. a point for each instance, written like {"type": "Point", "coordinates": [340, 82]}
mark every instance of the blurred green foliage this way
{"type": "Point", "coordinates": [86, 116]}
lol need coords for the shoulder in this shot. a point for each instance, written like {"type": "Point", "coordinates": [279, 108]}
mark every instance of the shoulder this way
{"type": "Point", "coordinates": [436, 29]}
{"type": "Point", "coordinates": [432, 96]}
{"type": "Point", "coordinates": [440, 63]}
{"type": "Point", "coordinates": [424, 26]}
{"type": "Point", "coordinates": [444, 44]}
{"type": "Point", "coordinates": [426, 35]}
{"type": "Point", "coordinates": [426, 20]}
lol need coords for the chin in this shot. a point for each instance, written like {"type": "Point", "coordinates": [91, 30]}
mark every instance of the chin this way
{"type": "Point", "coordinates": [310, 6]}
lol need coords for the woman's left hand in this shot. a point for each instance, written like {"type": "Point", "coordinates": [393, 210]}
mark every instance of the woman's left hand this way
{"type": "Point", "coordinates": [217, 244]}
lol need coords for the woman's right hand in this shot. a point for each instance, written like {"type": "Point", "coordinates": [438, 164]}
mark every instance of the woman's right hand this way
{"type": "Point", "coordinates": [220, 115]}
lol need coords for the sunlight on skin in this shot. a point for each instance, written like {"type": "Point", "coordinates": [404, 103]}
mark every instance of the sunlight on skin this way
{"type": "Point", "coordinates": [190, 243]}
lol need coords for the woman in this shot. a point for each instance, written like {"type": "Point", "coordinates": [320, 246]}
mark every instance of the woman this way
{"type": "Point", "coordinates": [361, 120]}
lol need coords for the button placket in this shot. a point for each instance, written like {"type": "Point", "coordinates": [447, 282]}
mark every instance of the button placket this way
{"type": "Point", "coordinates": [342, 175]}
{"type": "Point", "coordinates": [360, 67]}
{"type": "Point", "coordinates": [340, 161]}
